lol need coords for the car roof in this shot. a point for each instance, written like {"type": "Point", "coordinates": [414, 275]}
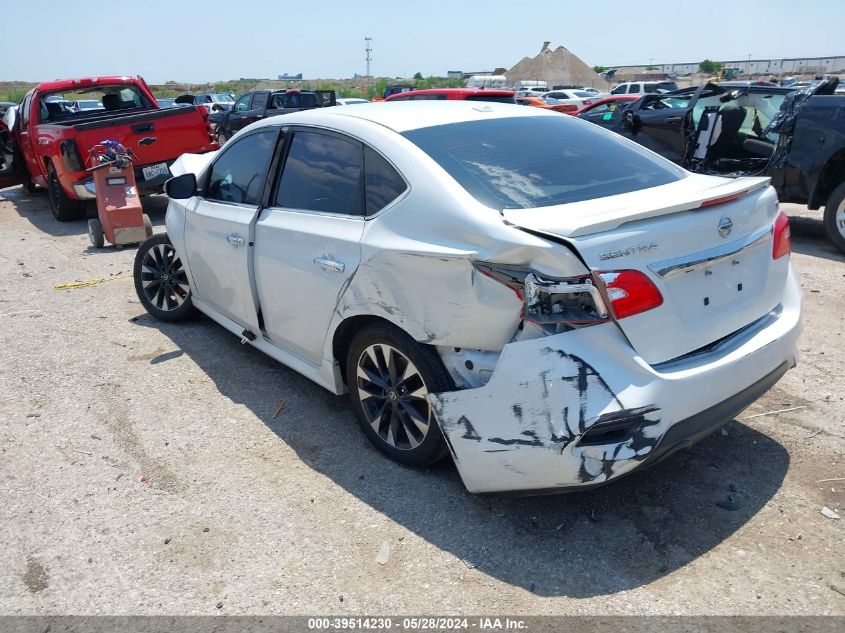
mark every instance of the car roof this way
{"type": "Point", "coordinates": [404, 116]}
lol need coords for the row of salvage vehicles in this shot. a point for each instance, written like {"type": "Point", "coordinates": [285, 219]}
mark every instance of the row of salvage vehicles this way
{"type": "Point", "coordinates": [795, 137]}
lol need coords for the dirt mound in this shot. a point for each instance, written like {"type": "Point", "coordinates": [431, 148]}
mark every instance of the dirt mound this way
{"type": "Point", "coordinates": [557, 67]}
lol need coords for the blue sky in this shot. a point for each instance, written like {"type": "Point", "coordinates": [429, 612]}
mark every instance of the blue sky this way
{"type": "Point", "coordinates": [186, 40]}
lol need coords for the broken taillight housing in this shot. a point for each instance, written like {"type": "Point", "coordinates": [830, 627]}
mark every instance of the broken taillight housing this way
{"type": "Point", "coordinates": [630, 292]}
{"type": "Point", "coordinates": [577, 301]}
{"type": "Point", "coordinates": [573, 301]}
{"type": "Point", "coordinates": [782, 239]}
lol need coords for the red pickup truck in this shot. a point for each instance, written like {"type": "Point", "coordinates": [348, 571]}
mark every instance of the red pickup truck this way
{"type": "Point", "coordinates": [46, 142]}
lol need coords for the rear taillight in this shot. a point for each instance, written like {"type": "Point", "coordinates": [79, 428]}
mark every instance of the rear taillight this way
{"type": "Point", "coordinates": [570, 301]}
{"type": "Point", "coordinates": [782, 240]}
{"type": "Point", "coordinates": [576, 301]}
{"type": "Point", "coordinates": [630, 292]}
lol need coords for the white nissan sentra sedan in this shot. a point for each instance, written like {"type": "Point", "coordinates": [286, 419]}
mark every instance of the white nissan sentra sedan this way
{"type": "Point", "coordinates": [550, 303]}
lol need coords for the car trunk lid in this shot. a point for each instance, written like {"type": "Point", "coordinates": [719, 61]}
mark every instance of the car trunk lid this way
{"type": "Point", "coordinates": [705, 243]}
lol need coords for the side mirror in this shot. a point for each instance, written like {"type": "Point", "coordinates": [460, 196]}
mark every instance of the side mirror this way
{"type": "Point", "coordinates": [181, 187]}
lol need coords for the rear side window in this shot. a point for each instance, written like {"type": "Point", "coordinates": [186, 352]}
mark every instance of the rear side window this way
{"type": "Point", "coordinates": [537, 161]}
{"type": "Point", "coordinates": [322, 173]}
{"type": "Point", "coordinates": [493, 98]}
{"type": "Point", "coordinates": [240, 173]}
{"type": "Point", "coordinates": [430, 97]}
{"type": "Point", "coordinates": [259, 101]}
{"type": "Point", "coordinates": [384, 184]}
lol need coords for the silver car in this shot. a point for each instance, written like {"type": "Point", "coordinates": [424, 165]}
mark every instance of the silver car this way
{"type": "Point", "coordinates": [548, 302]}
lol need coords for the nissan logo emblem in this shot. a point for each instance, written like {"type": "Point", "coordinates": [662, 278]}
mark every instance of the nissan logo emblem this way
{"type": "Point", "coordinates": [725, 226]}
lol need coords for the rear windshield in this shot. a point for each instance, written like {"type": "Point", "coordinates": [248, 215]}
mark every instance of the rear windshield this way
{"type": "Point", "coordinates": [526, 162]}
{"type": "Point", "coordinates": [494, 98]}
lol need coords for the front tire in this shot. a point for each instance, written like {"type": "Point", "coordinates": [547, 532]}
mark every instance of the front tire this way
{"type": "Point", "coordinates": [63, 207]}
{"type": "Point", "coordinates": [389, 375]}
{"type": "Point", "coordinates": [161, 281]}
{"type": "Point", "coordinates": [221, 136]}
{"type": "Point", "coordinates": [834, 217]}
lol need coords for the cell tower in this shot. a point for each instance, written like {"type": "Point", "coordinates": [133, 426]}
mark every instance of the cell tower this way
{"type": "Point", "coordinates": [369, 50]}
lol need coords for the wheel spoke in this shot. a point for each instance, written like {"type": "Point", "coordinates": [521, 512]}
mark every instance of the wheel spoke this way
{"type": "Point", "coordinates": [370, 376]}
{"type": "Point", "coordinates": [409, 428]}
{"type": "Point", "coordinates": [419, 420]}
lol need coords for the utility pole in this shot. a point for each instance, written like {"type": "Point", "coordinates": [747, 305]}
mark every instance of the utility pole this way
{"type": "Point", "coordinates": [369, 53]}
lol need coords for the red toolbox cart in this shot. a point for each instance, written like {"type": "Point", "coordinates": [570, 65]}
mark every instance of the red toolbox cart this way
{"type": "Point", "coordinates": [121, 218]}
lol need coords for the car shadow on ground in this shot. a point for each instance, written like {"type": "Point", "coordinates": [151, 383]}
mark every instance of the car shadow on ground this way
{"type": "Point", "coordinates": [810, 238]}
{"type": "Point", "coordinates": [591, 543]}
{"type": "Point", "coordinates": [35, 208]}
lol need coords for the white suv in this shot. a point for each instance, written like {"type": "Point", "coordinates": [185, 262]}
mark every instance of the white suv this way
{"type": "Point", "coordinates": [644, 87]}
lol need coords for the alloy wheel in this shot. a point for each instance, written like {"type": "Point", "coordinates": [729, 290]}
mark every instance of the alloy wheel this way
{"type": "Point", "coordinates": [163, 278]}
{"type": "Point", "coordinates": [839, 219]}
{"type": "Point", "coordinates": [392, 394]}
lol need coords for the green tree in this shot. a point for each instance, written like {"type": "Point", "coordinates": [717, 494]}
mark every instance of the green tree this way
{"type": "Point", "coordinates": [418, 76]}
{"type": "Point", "coordinates": [709, 66]}
{"type": "Point", "coordinates": [599, 69]}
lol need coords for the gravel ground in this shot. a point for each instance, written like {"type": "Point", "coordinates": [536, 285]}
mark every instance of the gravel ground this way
{"type": "Point", "coordinates": [143, 471]}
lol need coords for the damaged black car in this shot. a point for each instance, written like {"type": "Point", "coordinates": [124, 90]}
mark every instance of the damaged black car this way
{"type": "Point", "coordinates": [796, 137]}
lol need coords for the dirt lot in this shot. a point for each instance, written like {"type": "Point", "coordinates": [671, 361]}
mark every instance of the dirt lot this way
{"type": "Point", "coordinates": [143, 470]}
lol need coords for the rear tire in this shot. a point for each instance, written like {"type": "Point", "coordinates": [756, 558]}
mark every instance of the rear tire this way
{"type": "Point", "coordinates": [834, 217]}
{"type": "Point", "coordinates": [389, 374]}
{"type": "Point", "coordinates": [148, 226]}
{"type": "Point", "coordinates": [161, 281]}
{"type": "Point", "coordinates": [63, 207]}
{"type": "Point", "coordinates": [221, 136]}
{"type": "Point", "coordinates": [95, 233]}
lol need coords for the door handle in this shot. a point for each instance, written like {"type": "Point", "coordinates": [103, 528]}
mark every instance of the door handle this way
{"type": "Point", "coordinates": [330, 264]}
{"type": "Point", "coordinates": [672, 119]}
{"type": "Point", "coordinates": [235, 240]}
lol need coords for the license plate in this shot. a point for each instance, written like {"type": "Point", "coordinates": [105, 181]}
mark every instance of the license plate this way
{"type": "Point", "coordinates": [154, 171]}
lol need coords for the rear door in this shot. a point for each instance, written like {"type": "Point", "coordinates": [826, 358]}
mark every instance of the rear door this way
{"type": "Point", "coordinates": [307, 242]}
{"type": "Point", "coordinates": [220, 226]}
{"type": "Point", "coordinates": [665, 123]}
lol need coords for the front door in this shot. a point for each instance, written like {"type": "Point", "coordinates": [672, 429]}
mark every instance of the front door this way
{"type": "Point", "coordinates": [220, 226]}
{"type": "Point", "coordinates": [239, 114]}
{"type": "Point", "coordinates": [307, 242]}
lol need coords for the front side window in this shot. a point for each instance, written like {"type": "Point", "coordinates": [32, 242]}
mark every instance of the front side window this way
{"type": "Point", "coordinates": [527, 161]}
{"type": "Point", "coordinates": [242, 104]}
{"type": "Point", "coordinates": [324, 173]}
{"type": "Point", "coordinates": [618, 90]}
{"type": "Point", "coordinates": [238, 176]}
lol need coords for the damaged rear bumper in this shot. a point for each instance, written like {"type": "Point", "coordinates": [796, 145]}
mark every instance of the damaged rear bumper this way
{"type": "Point", "coordinates": [581, 408]}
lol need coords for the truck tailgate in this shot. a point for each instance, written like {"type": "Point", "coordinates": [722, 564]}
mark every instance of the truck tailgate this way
{"type": "Point", "coordinates": [155, 136]}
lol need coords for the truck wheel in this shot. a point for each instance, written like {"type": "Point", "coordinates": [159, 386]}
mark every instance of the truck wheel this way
{"type": "Point", "coordinates": [221, 136]}
{"type": "Point", "coordinates": [161, 280]}
{"type": "Point", "coordinates": [95, 233]}
{"type": "Point", "coordinates": [63, 207]}
{"type": "Point", "coordinates": [834, 217]}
